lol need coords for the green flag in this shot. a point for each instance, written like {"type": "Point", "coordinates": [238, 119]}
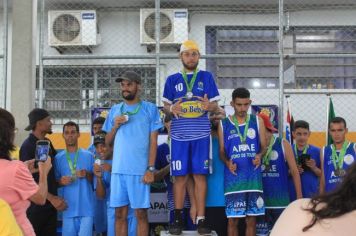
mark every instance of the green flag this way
{"type": "Point", "coordinates": [331, 115]}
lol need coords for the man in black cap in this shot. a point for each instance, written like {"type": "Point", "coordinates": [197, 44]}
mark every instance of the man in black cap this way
{"type": "Point", "coordinates": [43, 218]}
{"type": "Point", "coordinates": [132, 127]}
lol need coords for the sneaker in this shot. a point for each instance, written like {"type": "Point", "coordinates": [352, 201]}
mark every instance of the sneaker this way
{"type": "Point", "coordinates": [175, 228]}
{"type": "Point", "coordinates": [203, 228]}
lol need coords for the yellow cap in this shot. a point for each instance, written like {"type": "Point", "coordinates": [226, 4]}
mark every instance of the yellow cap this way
{"type": "Point", "coordinates": [189, 45]}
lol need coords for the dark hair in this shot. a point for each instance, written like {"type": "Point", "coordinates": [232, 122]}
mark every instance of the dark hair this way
{"type": "Point", "coordinates": [240, 93]}
{"type": "Point", "coordinates": [338, 119]}
{"type": "Point", "coordinates": [7, 128]}
{"type": "Point", "coordinates": [71, 123]}
{"type": "Point", "coordinates": [336, 203]}
{"type": "Point", "coordinates": [301, 124]}
{"type": "Point", "coordinates": [98, 120]}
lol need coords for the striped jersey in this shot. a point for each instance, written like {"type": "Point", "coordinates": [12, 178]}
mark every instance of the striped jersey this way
{"type": "Point", "coordinates": [193, 123]}
{"type": "Point", "coordinates": [248, 179]}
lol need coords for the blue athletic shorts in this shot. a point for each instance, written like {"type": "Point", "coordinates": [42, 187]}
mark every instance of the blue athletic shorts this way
{"type": "Point", "coordinates": [190, 157]}
{"type": "Point", "coordinates": [129, 190]}
{"type": "Point", "coordinates": [264, 224]}
{"type": "Point", "coordinates": [77, 226]}
{"type": "Point", "coordinates": [244, 204]}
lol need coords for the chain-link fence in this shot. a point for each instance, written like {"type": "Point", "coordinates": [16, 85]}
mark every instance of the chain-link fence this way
{"type": "Point", "coordinates": [305, 49]}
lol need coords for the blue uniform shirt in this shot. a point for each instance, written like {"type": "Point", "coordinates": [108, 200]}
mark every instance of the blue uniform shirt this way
{"type": "Point", "coordinates": [194, 124]}
{"type": "Point", "coordinates": [132, 139]}
{"type": "Point", "coordinates": [275, 180]}
{"type": "Point", "coordinates": [309, 181]}
{"type": "Point", "coordinates": [79, 194]}
{"type": "Point", "coordinates": [331, 180]}
{"type": "Point", "coordinates": [247, 178]}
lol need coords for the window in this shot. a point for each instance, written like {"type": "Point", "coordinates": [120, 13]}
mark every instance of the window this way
{"type": "Point", "coordinates": [71, 92]}
{"type": "Point", "coordinates": [306, 73]}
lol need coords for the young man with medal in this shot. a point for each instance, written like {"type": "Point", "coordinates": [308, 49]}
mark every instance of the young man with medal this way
{"type": "Point", "coordinates": [74, 172]}
{"type": "Point", "coordinates": [189, 95]}
{"type": "Point", "coordinates": [276, 162]}
{"type": "Point", "coordinates": [132, 128]}
{"type": "Point", "coordinates": [336, 157]}
{"type": "Point", "coordinates": [242, 143]}
{"type": "Point", "coordinates": [307, 157]}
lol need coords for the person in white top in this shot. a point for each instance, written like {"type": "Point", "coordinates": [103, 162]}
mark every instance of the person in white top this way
{"type": "Point", "coordinates": [333, 213]}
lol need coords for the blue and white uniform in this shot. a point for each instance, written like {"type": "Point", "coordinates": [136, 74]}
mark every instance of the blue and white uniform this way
{"type": "Point", "coordinates": [243, 191]}
{"type": "Point", "coordinates": [331, 180]}
{"type": "Point", "coordinates": [275, 188]}
{"type": "Point", "coordinates": [131, 152]}
{"type": "Point", "coordinates": [191, 132]}
{"type": "Point", "coordinates": [78, 217]}
{"type": "Point", "coordinates": [162, 160]}
{"type": "Point", "coordinates": [308, 179]}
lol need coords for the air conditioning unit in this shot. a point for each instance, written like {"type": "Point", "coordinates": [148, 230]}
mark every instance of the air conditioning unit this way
{"type": "Point", "coordinates": [174, 26]}
{"type": "Point", "coordinates": [72, 28]}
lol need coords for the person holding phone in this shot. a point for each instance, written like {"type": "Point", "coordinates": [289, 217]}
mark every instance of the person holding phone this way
{"type": "Point", "coordinates": [17, 186]}
{"type": "Point", "coordinates": [43, 218]}
{"type": "Point", "coordinates": [307, 157]}
{"type": "Point", "coordinates": [74, 172]}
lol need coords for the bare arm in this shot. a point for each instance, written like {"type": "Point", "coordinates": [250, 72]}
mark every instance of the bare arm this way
{"type": "Point", "coordinates": [263, 144]}
{"type": "Point", "coordinates": [289, 156]}
{"type": "Point", "coordinates": [228, 162]}
{"type": "Point", "coordinates": [160, 174]}
{"type": "Point", "coordinates": [148, 178]}
{"type": "Point", "coordinates": [100, 189]}
{"type": "Point", "coordinates": [40, 196]}
{"type": "Point", "coordinates": [322, 178]}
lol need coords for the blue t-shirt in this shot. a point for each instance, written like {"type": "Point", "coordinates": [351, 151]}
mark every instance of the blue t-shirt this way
{"type": "Point", "coordinates": [132, 139]}
{"type": "Point", "coordinates": [92, 149]}
{"type": "Point", "coordinates": [331, 180]}
{"type": "Point", "coordinates": [79, 194]}
{"type": "Point", "coordinates": [248, 177]}
{"type": "Point", "coordinates": [215, 181]}
{"type": "Point", "coordinates": [162, 160]}
{"type": "Point", "coordinates": [275, 180]}
{"type": "Point", "coordinates": [194, 123]}
{"type": "Point", "coordinates": [309, 181]}
{"type": "Point", "coordinates": [106, 178]}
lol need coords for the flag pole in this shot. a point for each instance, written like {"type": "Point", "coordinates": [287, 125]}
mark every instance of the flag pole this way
{"type": "Point", "coordinates": [327, 118]}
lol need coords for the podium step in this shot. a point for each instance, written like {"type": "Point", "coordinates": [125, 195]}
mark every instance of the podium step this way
{"type": "Point", "coordinates": [187, 233]}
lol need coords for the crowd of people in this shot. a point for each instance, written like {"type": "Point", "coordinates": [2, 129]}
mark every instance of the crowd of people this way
{"type": "Point", "coordinates": [225, 173]}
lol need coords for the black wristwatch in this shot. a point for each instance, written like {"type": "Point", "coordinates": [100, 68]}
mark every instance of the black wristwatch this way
{"type": "Point", "coordinates": [151, 168]}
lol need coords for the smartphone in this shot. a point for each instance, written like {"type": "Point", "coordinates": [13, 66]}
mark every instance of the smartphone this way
{"type": "Point", "coordinates": [42, 150]}
{"type": "Point", "coordinates": [303, 159]}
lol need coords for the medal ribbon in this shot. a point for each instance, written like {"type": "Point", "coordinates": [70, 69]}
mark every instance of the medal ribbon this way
{"type": "Point", "coordinates": [192, 81]}
{"type": "Point", "coordinates": [72, 165]}
{"type": "Point", "coordinates": [266, 157]}
{"type": "Point", "coordinates": [247, 122]}
{"type": "Point", "coordinates": [339, 158]}
{"type": "Point", "coordinates": [305, 149]}
{"type": "Point", "coordinates": [128, 112]}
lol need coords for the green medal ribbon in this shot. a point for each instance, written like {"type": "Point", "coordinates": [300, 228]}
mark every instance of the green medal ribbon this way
{"type": "Point", "coordinates": [72, 165]}
{"type": "Point", "coordinates": [247, 122]}
{"type": "Point", "coordinates": [305, 149]}
{"type": "Point", "coordinates": [128, 112]}
{"type": "Point", "coordinates": [266, 157]}
{"type": "Point", "coordinates": [339, 158]}
{"type": "Point", "coordinates": [192, 81]}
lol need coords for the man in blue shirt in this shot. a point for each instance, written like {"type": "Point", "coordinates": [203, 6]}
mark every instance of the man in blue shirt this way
{"type": "Point", "coordinates": [189, 95]}
{"type": "Point", "coordinates": [307, 157]}
{"type": "Point", "coordinates": [337, 157]}
{"type": "Point", "coordinates": [74, 171]}
{"type": "Point", "coordinates": [132, 127]}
